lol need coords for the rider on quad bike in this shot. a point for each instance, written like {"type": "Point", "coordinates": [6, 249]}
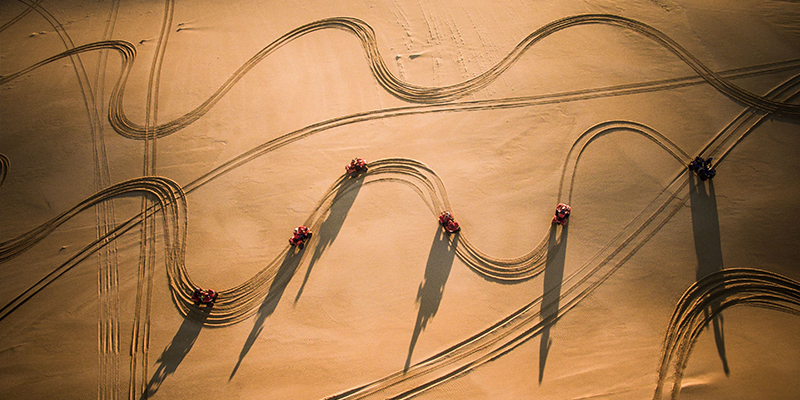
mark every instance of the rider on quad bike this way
{"type": "Point", "coordinates": [703, 168]}
{"type": "Point", "coordinates": [203, 296]}
{"type": "Point", "coordinates": [449, 224]}
{"type": "Point", "coordinates": [300, 237]}
{"type": "Point", "coordinates": [562, 214]}
{"type": "Point", "coordinates": [356, 166]}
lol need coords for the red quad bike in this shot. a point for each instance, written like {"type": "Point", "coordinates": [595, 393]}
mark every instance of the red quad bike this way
{"type": "Point", "coordinates": [204, 296]}
{"type": "Point", "coordinates": [356, 166]}
{"type": "Point", "coordinates": [449, 224]}
{"type": "Point", "coordinates": [562, 214]}
{"type": "Point", "coordinates": [300, 237]}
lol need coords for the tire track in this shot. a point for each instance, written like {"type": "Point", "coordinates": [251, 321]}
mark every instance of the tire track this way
{"type": "Point", "coordinates": [472, 257]}
{"type": "Point", "coordinates": [421, 94]}
{"type": "Point", "coordinates": [4, 165]}
{"type": "Point", "coordinates": [108, 386]}
{"type": "Point", "coordinates": [236, 304]}
{"type": "Point", "coordinates": [21, 15]}
{"type": "Point", "coordinates": [11, 248]}
{"type": "Point", "coordinates": [239, 303]}
{"type": "Point", "coordinates": [485, 352]}
{"type": "Point", "coordinates": [167, 192]}
{"type": "Point", "coordinates": [140, 336]}
{"type": "Point", "coordinates": [108, 297]}
{"type": "Point", "coordinates": [727, 288]}
{"type": "Point", "coordinates": [586, 138]}
{"type": "Point", "coordinates": [526, 322]}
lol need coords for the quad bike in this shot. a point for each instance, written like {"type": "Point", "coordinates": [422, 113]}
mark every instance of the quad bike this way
{"type": "Point", "coordinates": [562, 214]}
{"type": "Point", "coordinates": [300, 237]}
{"type": "Point", "coordinates": [356, 166]}
{"type": "Point", "coordinates": [204, 296]}
{"type": "Point", "coordinates": [703, 168]}
{"type": "Point", "coordinates": [449, 224]}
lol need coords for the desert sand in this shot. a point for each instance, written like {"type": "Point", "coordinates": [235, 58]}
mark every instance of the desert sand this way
{"type": "Point", "coordinates": [150, 147]}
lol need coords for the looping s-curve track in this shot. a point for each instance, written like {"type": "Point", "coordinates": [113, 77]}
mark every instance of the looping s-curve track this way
{"type": "Point", "coordinates": [165, 199]}
{"type": "Point", "coordinates": [727, 288]}
{"type": "Point", "coordinates": [403, 90]}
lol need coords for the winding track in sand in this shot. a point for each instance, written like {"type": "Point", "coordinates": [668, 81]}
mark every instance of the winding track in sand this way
{"type": "Point", "coordinates": [4, 165]}
{"type": "Point", "coordinates": [399, 88]}
{"type": "Point", "coordinates": [726, 288]}
{"type": "Point", "coordinates": [526, 322]}
{"type": "Point", "coordinates": [107, 263]}
{"type": "Point", "coordinates": [238, 303]}
{"type": "Point", "coordinates": [109, 385]}
{"type": "Point", "coordinates": [140, 334]}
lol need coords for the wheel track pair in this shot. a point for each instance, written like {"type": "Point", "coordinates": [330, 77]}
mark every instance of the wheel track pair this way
{"type": "Point", "coordinates": [166, 191]}
{"type": "Point", "coordinates": [140, 335]}
{"type": "Point", "coordinates": [723, 289]}
{"type": "Point", "coordinates": [108, 293]}
{"type": "Point", "coordinates": [316, 128]}
{"type": "Point", "coordinates": [4, 165]}
{"type": "Point", "coordinates": [240, 302]}
{"type": "Point", "coordinates": [109, 385]}
{"type": "Point", "coordinates": [742, 124]}
{"type": "Point", "coordinates": [526, 323]}
{"type": "Point", "coordinates": [411, 92]}
{"type": "Point", "coordinates": [12, 21]}
{"type": "Point", "coordinates": [527, 316]}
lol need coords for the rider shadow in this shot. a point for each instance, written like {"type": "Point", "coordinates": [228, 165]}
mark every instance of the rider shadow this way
{"type": "Point", "coordinates": [177, 350]}
{"type": "Point", "coordinates": [342, 202]}
{"type": "Point", "coordinates": [429, 295]}
{"type": "Point", "coordinates": [282, 278]}
{"type": "Point", "coordinates": [707, 244]}
{"type": "Point", "coordinates": [553, 278]}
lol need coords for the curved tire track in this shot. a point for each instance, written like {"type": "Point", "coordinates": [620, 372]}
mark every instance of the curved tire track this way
{"type": "Point", "coordinates": [239, 303]}
{"type": "Point", "coordinates": [526, 322]}
{"type": "Point", "coordinates": [425, 97]}
{"type": "Point", "coordinates": [404, 90]}
{"type": "Point", "coordinates": [726, 288]}
{"type": "Point", "coordinates": [4, 165]}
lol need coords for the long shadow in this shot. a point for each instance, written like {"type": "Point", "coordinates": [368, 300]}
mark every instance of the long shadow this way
{"type": "Point", "coordinates": [429, 296]}
{"type": "Point", "coordinates": [553, 278]}
{"type": "Point", "coordinates": [177, 350]}
{"type": "Point", "coordinates": [342, 202]}
{"type": "Point", "coordinates": [707, 244]}
{"type": "Point", "coordinates": [282, 278]}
